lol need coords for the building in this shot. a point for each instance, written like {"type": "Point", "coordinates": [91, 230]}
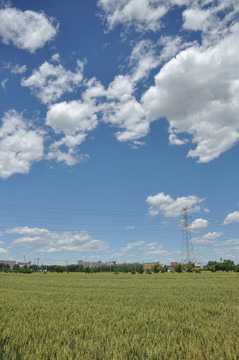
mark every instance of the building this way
{"type": "Point", "coordinates": [151, 265]}
{"type": "Point", "coordinates": [110, 263]}
{"type": "Point", "coordinates": [90, 263]}
{"type": "Point", "coordinates": [198, 266]}
{"type": "Point", "coordinates": [24, 264]}
{"type": "Point", "coordinates": [172, 266]}
{"type": "Point", "coordinates": [11, 263]}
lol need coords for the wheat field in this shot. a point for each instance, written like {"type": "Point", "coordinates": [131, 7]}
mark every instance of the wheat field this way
{"type": "Point", "coordinates": [124, 316]}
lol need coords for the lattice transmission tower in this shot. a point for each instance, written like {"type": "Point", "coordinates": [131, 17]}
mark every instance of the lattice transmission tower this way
{"type": "Point", "coordinates": [187, 254]}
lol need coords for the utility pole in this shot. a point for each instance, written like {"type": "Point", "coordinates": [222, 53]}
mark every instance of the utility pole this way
{"type": "Point", "coordinates": [187, 255]}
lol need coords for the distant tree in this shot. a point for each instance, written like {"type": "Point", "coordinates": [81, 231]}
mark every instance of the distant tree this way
{"type": "Point", "coordinates": [156, 268]}
{"type": "Point", "coordinates": [33, 267]}
{"type": "Point", "coordinates": [179, 268]}
{"type": "Point", "coordinates": [223, 265]}
{"type": "Point", "coordinates": [72, 268]}
{"type": "Point", "coordinates": [96, 269]}
{"type": "Point", "coordinates": [59, 269]}
{"type": "Point", "coordinates": [210, 263]}
{"type": "Point", "coordinates": [198, 271]}
{"type": "Point", "coordinates": [228, 265]}
{"type": "Point", "coordinates": [212, 268]}
{"type": "Point", "coordinates": [81, 268]}
{"type": "Point", "coordinates": [166, 268]}
{"type": "Point", "coordinates": [140, 270]}
{"type": "Point", "coordinates": [148, 271]}
{"type": "Point", "coordinates": [163, 270]}
{"type": "Point", "coordinates": [236, 268]}
{"type": "Point", "coordinates": [189, 268]}
{"type": "Point", "coordinates": [125, 269]}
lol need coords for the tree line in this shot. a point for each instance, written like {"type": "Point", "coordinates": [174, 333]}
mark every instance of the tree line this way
{"type": "Point", "coordinates": [133, 268]}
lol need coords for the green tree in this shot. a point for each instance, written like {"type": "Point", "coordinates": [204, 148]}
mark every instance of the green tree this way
{"type": "Point", "coordinates": [228, 265]}
{"type": "Point", "coordinates": [59, 269]}
{"type": "Point", "coordinates": [140, 270]}
{"type": "Point", "coordinates": [189, 268]}
{"type": "Point", "coordinates": [156, 268]}
{"type": "Point", "coordinates": [212, 268]}
{"type": "Point", "coordinates": [179, 268]}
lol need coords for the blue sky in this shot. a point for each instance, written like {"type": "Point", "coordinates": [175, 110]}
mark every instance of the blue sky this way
{"type": "Point", "coordinates": [115, 115]}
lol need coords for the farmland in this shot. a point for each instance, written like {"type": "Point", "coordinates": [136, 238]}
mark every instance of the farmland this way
{"type": "Point", "coordinates": [124, 316]}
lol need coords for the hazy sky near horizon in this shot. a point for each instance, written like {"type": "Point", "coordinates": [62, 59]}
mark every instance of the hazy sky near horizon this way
{"type": "Point", "coordinates": [115, 115]}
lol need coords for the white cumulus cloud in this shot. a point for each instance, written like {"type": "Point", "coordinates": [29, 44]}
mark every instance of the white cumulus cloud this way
{"type": "Point", "coordinates": [198, 225]}
{"type": "Point", "coordinates": [197, 92]}
{"type": "Point", "coordinates": [168, 207]}
{"type": "Point", "coordinates": [20, 145]}
{"type": "Point", "coordinates": [27, 231]}
{"type": "Point", "coordinates": [231, 218]}
{"type": "Point", "coordinates": [74, 120]}
{"type": "Point", "coordinates": [208, 238]}
{"type": "Point", "coordinates": [130, 246]}
{"type": "Point", "coordinates": [143, 14]}
{"type": "Point", "coordinates": [52, 241]}
{"type": "Point", "coordinates": [27, 30]}
{"type": "Point", "coordinates": [50, 81]}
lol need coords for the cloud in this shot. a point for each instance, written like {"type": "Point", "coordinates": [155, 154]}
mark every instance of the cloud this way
{"type": "Point", "coordinates": [207, 238]}
{"type": "Point", "coordinates": [168, 207]}
{"type": "Point", "coordinates": [55, 58]}
{"type": "Point", "coordinates": [50, 81]}
{"type": "Point", "coordinates": [143, 59]}
{"type": "Point", "coordinates": [27, 30]}
{"type": "Point", "coordinates": [158, 252]}
{"type": "Point", "coordinates": [70, 157]}
{"type": "Point", "coordinates": [198, 225]}
{"type": "Point", "coordinates": [130, 246]}
{"type": "Point", "coordinates": [233, 242]}
{"type": "Point", "coordinates": [129, 227]}
{"type": "Point", "coordinates": [151, 246]}
{"type": "Point", "coordinates": [18, 69]}
{"type": "Point", "coordinates": [52, 241]}
{"type": "Point", "coordinates": [212, 21]}
{"type": "Point", "coordinates": [20, 145]}
{"type": "Point", "coordinates": [229, 252]}
{"type": "Point", "coordinates": [122, 110]}
{"type": "Point", "coordinates": [3, 251]}
{"type": "Point", "coordinates": [231, 218]}
{"type": "Point", "coordinates": [197, 92]}
{"type": "Point", "coordinates": [143, 15]}
{"type": "Point", "coordinates": [74, 119]}
{"type": "Point", "coordinates": [27, 231]}
{"type": "Point", "coordinates": [196, 19]}
{"type": "Point", "coordinates": [3, 83]}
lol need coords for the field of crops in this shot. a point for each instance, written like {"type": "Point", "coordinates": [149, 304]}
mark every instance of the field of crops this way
{"type": "Point", "coordinates": [124, 316]}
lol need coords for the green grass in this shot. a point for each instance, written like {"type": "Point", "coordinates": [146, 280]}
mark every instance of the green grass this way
{"type": "Point", "coordinates": [107, 316]}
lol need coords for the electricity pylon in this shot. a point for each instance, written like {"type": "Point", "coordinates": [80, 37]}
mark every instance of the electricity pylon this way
{"type": "Point", "coordinates": [187, 254]}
